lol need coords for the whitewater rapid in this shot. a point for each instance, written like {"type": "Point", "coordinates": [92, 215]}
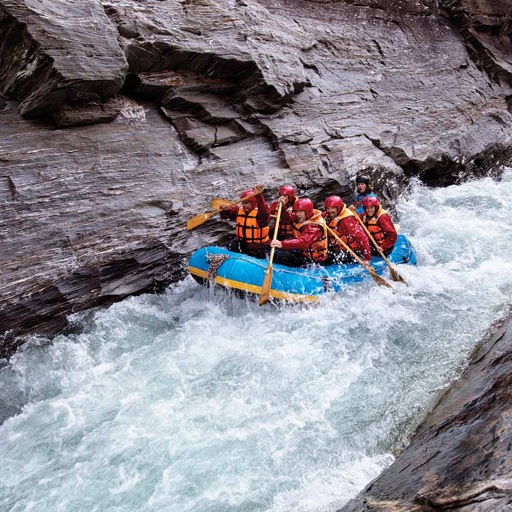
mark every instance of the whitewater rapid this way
{"type": "Point", "coordinates": [194, 400]}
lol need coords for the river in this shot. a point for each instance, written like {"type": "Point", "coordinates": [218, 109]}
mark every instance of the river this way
{"type": "Point", "coordinates": [194, 400]}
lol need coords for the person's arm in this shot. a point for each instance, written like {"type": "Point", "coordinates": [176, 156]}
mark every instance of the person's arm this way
{"type": "Point", "coordinates": [310, 234]}
{"type": "Point", "coordinates": [355, 231]}
{"type": "Point", "coordinates": [357, 207]}
{"type": "Point", "coordinates": [287, 217]}
{"type": "Point", "coordinates": [230, 213]}
{"type": "Point", "coordinates": [388, 228]}
{"type": "Point", "coordinates": [263, 216]}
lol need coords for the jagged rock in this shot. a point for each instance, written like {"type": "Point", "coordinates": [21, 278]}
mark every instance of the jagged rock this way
{"type": "Point", "coordinates": [209, 108]}
{"type": "Point", "coordinates": [460, 458]}
{"type": "Point", "coordinates": [56, 54]}
{"type": "Point", "coordinates": [486, 28]}
{"type": "Point", "coordinates": [68, 115]}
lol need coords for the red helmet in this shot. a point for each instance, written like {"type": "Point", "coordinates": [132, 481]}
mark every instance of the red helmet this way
{"type": "Point", "coordinates": [334, 202]}
{"type": "Point", "coordinates": [304, 205]}
{"type": "Point", "coordinates": [253, 200]}
{"type": "Point", "coordinates": [287, 190]}
{"type": "Point", "coordinates": [371, 201]}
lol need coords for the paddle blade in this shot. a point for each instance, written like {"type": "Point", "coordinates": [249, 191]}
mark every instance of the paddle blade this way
{"type": "Point", "coordinates": [265, 288]}
{"type": "Point", "coordinates": [378, 279]}
{"type": "Point", "coordinates": [217, 202]}
{"type": "Point", "coordinates": [199, 219]}
{"type": "Point", "coordinates": [395, 275]}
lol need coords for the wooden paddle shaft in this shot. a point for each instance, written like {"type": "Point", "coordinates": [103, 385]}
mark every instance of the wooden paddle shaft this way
{"type": "Point", "coordinates": [267, 282]}
{"type": "Point", "coordinates": [196, 221]}
{"type": "Point", "coordinates": [344, 245]}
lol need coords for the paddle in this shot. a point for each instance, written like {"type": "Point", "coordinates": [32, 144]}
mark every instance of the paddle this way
{"type": "Point", "coordinates": [394, 274]}
{"type": "Point", "coordinates": [372, 272]}
{"type": "Point", "coordinates": [265, 287]}
{"type": "Point", "coordinates": [217, 202]}
{"type": "Point", "coordinates": [196, 221]}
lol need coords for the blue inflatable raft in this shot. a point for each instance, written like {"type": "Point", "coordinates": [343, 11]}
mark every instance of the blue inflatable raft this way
{"type": "Point", "coordinates": [246, 274]}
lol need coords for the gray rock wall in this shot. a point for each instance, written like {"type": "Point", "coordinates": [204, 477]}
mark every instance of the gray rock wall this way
{"type": "Point", "coordinates": [460, 458]}
{"type": "Point", "coordinates": [121, 120]}
{"type": "Point", "coordinates": [58, 56]}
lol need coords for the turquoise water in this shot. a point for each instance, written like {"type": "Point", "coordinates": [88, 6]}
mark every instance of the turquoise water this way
{"type": "Point", "coordinates": [194, 400]}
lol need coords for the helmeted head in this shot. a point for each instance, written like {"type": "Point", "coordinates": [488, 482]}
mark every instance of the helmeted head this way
{"type": "Point", "coordinates": [371, 201]}
{"type": "Point", "coordinates": [304, 205]}
{"type": "Point", "coordinates": [288, 190]}
{"type": "Point", "coordinates": [363, 184]}
{"type": "Point", "coordinates": [371, 205]}
{"type": "Point", "coordinates": [335, 204]}
{"type": "Point", "coordinates": [248, 204]}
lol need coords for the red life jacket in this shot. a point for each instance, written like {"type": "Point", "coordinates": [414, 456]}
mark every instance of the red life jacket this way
{"type": "Point", "coordinates": [317, 251]}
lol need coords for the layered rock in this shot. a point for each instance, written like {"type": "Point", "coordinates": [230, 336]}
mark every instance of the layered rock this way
{"type": "Point", "coordinates": [206, 98]}
{"type": "Point", "coordinates": [460, 458]}
{"type": "Point", "coordinates": [61, 59]}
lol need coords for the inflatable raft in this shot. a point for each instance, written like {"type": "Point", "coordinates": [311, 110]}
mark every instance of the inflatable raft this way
{"type": "Point", "coordinates": [244, 273]}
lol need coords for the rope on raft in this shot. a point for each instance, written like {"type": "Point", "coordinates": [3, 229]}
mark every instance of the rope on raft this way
{"type": "Point", "coordinates": [215, 261]}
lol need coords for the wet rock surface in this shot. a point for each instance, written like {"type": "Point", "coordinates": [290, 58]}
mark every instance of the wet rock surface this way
{"type": "Point", "coordinates": [461, 457]}
{"type": "Point", "coordinates": [59, 54]}
{"type": "Point", "coordinates": [119, 121]}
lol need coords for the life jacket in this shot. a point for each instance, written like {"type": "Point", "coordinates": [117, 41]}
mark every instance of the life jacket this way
{"type": "Point", "coordinates": [373, 224]}
{"type": "Point", "coordinates": [333, 224]}
{"type": "Point", "coordinates": [248, 229]}
{"type": "Point", "coordinates": [285, 229]}
{"type": "Point", "coordinates": [317, 251]}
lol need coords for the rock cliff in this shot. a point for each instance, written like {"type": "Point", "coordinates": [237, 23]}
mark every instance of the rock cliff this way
{"type": "Point", "coordinates": [121, 119]}
{"type": "Point", "coordinates": [460, 458]}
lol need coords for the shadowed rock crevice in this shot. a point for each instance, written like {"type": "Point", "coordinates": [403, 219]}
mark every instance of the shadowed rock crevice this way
{"type": "Point", "coordinates": [252, 90]}
{"type": "Point", "coordinates": [46, 61]}
{"type": "Point", "coordinates": [488, 34]}
{"type": "Point", "coordinates": [204, 110]}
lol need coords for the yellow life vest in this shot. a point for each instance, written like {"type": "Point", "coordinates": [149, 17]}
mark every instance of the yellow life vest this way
{"type": "Point", "coordinates": [317, 251]}
{"type": "Point", "coordinates": [373, 226]}
{"type": "Point", "coordinates": [248, 229]}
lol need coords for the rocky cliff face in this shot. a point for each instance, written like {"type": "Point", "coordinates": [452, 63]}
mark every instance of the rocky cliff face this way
{"type": "Point", "coordinates": [120, 120]}
{"type": "Point", "coordinates": [460, 458]}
